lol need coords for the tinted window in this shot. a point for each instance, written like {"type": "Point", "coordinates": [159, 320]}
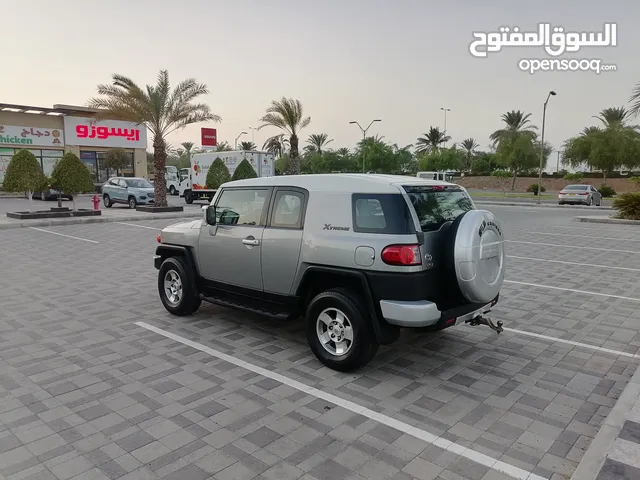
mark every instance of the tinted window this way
{"type": "Point", "coordinates": [437, 205]}
{"type": "Point", "coordinates": [138, 183]}
{"type": "Point", "coordinates": [576, 187]}
{"type": "Point", "coordinates": [287, 210]}
{"type": "Point", "coordinates": [241, 207]}
{"type": "Point", "coordinates": [381, 213]}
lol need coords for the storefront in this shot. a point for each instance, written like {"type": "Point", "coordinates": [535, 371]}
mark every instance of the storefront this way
{"type": "Point", "coordinates": [50, 132]}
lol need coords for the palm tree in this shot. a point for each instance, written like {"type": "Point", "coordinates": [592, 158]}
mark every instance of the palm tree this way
{"type": "Point", "coordinates": [248, 146]}
{"type": "Point", "coordinates": [318, 141]}
{"type": "Point", "coordinates": [469, 146]}
{"type": "Point", "coordinates": [223, 147]}
{"type": "Point", "coordinates": [432, 140]}
{"type": "Point", "coordinates": [276, 145]}
{"type": "Point", "coordinates": [287, 114]}
{"type": "Point", "coordinates": [615, 117]}
{"type": "Point", "coordinates": [635, 101]}
{"type": "Point", "coordinates": [516, 123]}
{"type": "Point", "coordinates": [159, 109]}
{"type": "Point", "coordinates": [343, 152]}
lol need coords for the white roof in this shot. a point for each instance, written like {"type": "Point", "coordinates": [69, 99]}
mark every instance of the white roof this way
{"type": "Point", "coordinates": [338, 182]}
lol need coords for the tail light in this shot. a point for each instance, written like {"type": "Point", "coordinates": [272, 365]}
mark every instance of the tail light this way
{"type": "Point", "coordinates": [159, 238]}
{"type": "Point", "coordinates": [404, 255]}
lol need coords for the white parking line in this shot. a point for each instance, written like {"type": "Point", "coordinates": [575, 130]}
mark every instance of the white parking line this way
{"type": "Point", "coordinates": [63, 235]}
{"type": "Point", "coordinates": [571, 342]}
{"type": "Point", "coordinates": [574, 263]}
{"type": "Point", "coordinates": [588, 237]}
{"type": "Point", "coordinates": [139, 226]}
{"type": "Point", "coordinates": [403, 427]}
{"type": "Point", "coordinates": [572, 246]}
{"type": "Point", "coordinates": [574, 290]}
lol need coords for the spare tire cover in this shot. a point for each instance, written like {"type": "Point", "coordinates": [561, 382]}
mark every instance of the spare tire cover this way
{"type": "Point", "coordinates": [479, 256]}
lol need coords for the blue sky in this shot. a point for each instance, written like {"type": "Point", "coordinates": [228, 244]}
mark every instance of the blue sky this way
{"type": "Point", "coordinates": [345, 60]}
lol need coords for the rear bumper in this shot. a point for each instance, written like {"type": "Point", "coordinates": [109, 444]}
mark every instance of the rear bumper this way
{"type": "Point", "coordinates": [578, 199]}
{"type": "Point", "coordinates": [416, 314]}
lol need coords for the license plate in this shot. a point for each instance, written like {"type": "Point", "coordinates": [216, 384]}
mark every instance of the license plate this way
{"type": "Point", "coordinates": [571, 194]}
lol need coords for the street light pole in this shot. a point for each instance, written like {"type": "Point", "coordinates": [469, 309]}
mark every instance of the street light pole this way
{"type": "Point", "coordinates": [445, 117]}
{"type": "Point", "coordinates": [364, 137]}
{"type": "Point", "coordinates": [544, 116]}
{"type": "Point", "coordinates": [253, 134]}
{"type": "Point", "coordinates": [235, 145]}
{"type": "Point", "coordinates": [558, 162]}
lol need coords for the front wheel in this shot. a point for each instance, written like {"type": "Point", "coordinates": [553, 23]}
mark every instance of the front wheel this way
{"type": "Point", "coordinates": [107, 201]}
{"type": "Point", "coordinates": [177, 288]}
{"type": "Point", "coordinates": [188, 197]}
{"type": "Point", "coordinates": [172, 190]}
{"type": "Point", "coordinates": [339, 335]}
{"type": "Point", "coordinates": [132, 203]}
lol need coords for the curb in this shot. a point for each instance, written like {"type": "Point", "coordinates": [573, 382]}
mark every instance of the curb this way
{"type": "Point", "coordinates": [100, 219]}
{"type": "Point", "coordinates": [593, 459]}
{"type": "Point", "coordinates": [618, 221]}
{"type": "Point", "coordinates": [543, 205]}
{"type": "Point", "coordinates": [11, 195]}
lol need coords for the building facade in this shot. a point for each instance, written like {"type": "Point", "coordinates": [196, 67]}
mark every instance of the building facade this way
{"type": "Point", "coordinates": [50, 132]}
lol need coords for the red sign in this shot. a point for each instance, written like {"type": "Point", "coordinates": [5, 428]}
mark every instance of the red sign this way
{"type": "Point", "coordinates": [209, 137]}
{"type": "Point", "coordinates": [82, 131]}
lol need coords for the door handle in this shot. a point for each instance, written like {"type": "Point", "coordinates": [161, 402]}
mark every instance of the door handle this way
{"type": "Point", "coordinates": [251, 241]}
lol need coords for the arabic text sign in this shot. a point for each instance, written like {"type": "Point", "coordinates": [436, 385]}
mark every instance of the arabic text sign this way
{"type": "Point", "coordinates": [24, 136]}
{"type": "Point", "coordinates": [107, 133]}
{"type": "Point", "coordinates": [555, 40]}
{"type": "Point", "coordinates": [208, 137]}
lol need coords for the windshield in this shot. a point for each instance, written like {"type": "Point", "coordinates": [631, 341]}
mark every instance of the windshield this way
{"type": "Point", "coordinates": [138, 183]}
{"type": "Point", "coordinates": [437, 205]}
{"type": "Point", "coordinates": [576, 187]}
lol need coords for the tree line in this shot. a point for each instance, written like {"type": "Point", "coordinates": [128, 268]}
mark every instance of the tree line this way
{"type": "Point", "coordinates": [514, 148]}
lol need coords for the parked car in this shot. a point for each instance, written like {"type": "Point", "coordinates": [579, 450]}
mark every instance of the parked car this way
{"type": "Point", "coordinates": [580, 195]}
{"type": "Point", "coordinates": [50, 194]}
{"type": "Point", "coordinates": [130, 191]}
{"type": "Point", "coordinates": [403, 252]}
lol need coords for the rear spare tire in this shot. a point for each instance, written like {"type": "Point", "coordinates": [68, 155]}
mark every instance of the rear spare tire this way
{"type": "Point", "coordinates": [475, 256]}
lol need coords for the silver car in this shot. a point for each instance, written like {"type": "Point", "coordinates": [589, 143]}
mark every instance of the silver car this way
{"type": "Point", "coordinates": [580, 195]}
{"type": "Point", "coordinates": [359, 257]}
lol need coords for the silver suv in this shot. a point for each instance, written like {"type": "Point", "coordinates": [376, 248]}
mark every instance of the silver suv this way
{"type": "Point", "coordinates": [358, 256]}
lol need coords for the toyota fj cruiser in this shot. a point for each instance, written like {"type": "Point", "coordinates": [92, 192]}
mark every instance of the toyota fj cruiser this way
{"type": "Point", "coordinates": [358, 256]}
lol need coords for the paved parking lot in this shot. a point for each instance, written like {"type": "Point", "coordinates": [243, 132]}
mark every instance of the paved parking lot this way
{"type": "Point", "coordinates": [98, 381]}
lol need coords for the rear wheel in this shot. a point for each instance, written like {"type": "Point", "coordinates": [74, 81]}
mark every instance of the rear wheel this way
{"type": "Point", "coordinates": [188, 197]}
{"type": "Point", "coordinates": [177, 288]}
{"type": "Point", "coordinates": [338, 332]}
{"type": "Point", "coordinates": [590, 201]}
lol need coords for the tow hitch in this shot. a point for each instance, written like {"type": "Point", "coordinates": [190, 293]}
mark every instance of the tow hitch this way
{"type": "Point", "coordinates": [480, 320]}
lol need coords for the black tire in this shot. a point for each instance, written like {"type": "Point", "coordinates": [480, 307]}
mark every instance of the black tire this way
{"type": "Point", "coordinates": [188, 197]}
{"type": "Point", "coordinates": [560, 203]}
{"type": "Point", "coordinates": [364, 345]}
{"type": "Point", "coordinates": [590, 202]}
{"type": "Point", "coordinates": [190, 301]}
{"type": "Point", "coordinates": [131, 201]}
{"type": "Point", "coordinates": [106, 199]}
{"type": "Point", "coordinates": [172, 190]}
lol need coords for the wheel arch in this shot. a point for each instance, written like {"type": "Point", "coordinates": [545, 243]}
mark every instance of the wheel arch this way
{"type": "Point", "coordinates": [165, 251]}
{"type": "Point", "coordinates": [316, 279]}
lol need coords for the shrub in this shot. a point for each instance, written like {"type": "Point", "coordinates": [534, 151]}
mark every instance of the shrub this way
{"type": "Point", "coordinates": [218, 174]}
{"type": "Point", "coordinates": [573, 176]}
{"type": "Point", "coordinates": [636, 182]}
{"type": "Point", "coordinates": [628, 206]}
{"type": "Point", "coordinates": [534, 188]}
{"type": "Point", "coordinates": [24, 174]}
{"type": "Point", "coordinates": [244, 170]}
{"type": "Point", "coordinates": [503, 177]}
{"type": "Point", "coordinates": [71, 176]}
{"type": "Point", "coordinates": [606, 191]}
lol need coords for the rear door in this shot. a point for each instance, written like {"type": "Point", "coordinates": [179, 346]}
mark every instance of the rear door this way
{"type": "Point", "coordinates": [230, 252]}
{"type": "Point", "coordinates": [282, 239]}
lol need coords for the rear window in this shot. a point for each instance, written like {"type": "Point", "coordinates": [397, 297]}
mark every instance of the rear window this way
{"type": "Point", "coordinates": [437, 205]}
{"type": "Point", "coordinates": [576, 187]}
{"type": "Point", "coordinates": [381, 213]}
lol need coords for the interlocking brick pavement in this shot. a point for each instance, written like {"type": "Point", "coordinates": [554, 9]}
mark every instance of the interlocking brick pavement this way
{"type": "Point", "coordinates": [85, 393]}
